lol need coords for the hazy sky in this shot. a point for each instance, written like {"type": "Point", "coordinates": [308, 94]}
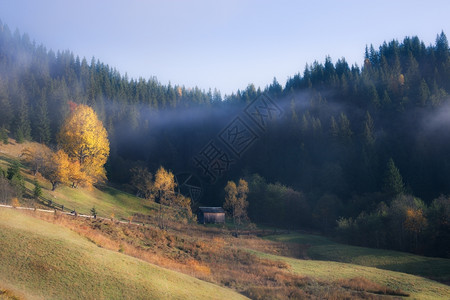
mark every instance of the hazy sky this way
{"type": "Point", "coordinates": [223, 44]}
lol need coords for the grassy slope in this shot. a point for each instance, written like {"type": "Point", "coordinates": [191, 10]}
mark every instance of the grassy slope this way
{"type": "Point", "coordinates": [324, 249]}
{"type": "Point", "coordinates": [417, 287]}
{"type": "Point", "coordinates": [43, 260]}
{"type": "Point", "coordinates": [107, 200]}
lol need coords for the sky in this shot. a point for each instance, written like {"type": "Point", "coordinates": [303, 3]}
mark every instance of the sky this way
{"type": "Point", "coordinates": [221, 44]}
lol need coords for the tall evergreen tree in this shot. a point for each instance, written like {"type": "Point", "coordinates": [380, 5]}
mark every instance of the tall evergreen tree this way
{"type": "Point", "coordinates": [42, 124]}
{"type": "Point", "coordinates": [22, 128]}
{"type": "Point", "coordinates": [369, 138]}
{"type": "Point", "coordinates": [6, 112]}
{"type": "Point", "coordinates": [393, 181]}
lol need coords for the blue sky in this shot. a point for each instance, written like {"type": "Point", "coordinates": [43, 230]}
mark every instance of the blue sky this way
{"type": "Point", "coordinates": [221, 44]}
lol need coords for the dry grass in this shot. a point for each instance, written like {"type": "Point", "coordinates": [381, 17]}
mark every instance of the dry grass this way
{"type": "Point", "coordinates": [6, 294]}
{"type": "Point", "coordinates": [215, 256]}
{"type": "Point", "coordinates": [14, 149]}
{"type": "Point", "coordinates": [272, 247]}
{"type": "Point", "coordinates": [47, 261]}
{"type": "Point", "coordinates": [363, 284]}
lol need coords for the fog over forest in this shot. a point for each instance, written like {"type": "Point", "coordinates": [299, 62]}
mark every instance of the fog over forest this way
{"type": "Point", "coordinates": [343, 149]}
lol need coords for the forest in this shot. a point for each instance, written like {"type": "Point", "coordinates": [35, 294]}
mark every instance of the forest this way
{"type": "Point", "coordinates": [358, 152]}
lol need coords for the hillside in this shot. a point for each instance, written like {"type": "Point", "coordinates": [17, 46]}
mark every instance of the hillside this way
{"type": "Point", "coordinates": [72, 262]}
{"type": "Point", "coordinates": [43, 260]}
{"type": "Point", "coordinates": [106, 199]}
{"type": "Point", "coordinates": [363, 143]}
{"type": "Point", "coordinates": [347, 274]}
{"type": "Point", "coordinates": [252, 266]}
{"type": "Point", "coordinates": [322, 248]}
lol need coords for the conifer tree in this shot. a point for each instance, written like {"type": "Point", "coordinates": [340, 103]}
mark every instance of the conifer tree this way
{"type": "Point", "coordinates": [37, 191]}
{"type": "Point", "coordinates": [369, 138]}
{"type": "Point", "coordinates": [6, 112]}
{"type": "Point", "coordinates": [42, 126]}
{"type": "Point", "coordinates": [22, 122]}
{"type": "Point", "coordinates": [345, 132]}
{"type": "Point", "coordinates": [393, 181]}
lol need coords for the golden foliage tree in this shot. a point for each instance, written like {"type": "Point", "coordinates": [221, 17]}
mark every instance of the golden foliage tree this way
{"type": "Point", "coordinates": [164, 185]}
{"type": "Point", "coordinates": [85, 140]}
{"type": "Point", "coordinates": [236, 200]}
{"type": "Point", "coordinates": [76, 176]}
{"type": "Point", "coordinates": [56, 169]}
{"type": "Point", "coordinates": [163, 189]}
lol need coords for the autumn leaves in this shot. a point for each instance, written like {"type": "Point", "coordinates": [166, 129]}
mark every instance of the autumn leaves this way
{"type": "Point", "coordinates": [83, 151]}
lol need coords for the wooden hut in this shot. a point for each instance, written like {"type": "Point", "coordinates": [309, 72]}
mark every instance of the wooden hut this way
{"type": "Point", "coordinates": [214, 215]}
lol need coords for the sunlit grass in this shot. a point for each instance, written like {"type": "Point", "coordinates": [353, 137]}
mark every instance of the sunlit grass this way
{"type": "Point", "coordinates": [322, 248]}
{"type": "Point", "coordinates": [106, 200]}
{"type": "Point", "coordinates": [417, 287]}
{"type": "Point", "coordinates": [48, 261]}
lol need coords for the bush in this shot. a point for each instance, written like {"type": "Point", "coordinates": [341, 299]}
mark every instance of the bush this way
{"type": "Point", "coordinates": [15, 202]}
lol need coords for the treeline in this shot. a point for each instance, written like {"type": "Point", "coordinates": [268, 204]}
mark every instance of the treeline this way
{"type": "Point", "coordinates": [406, 224]}
{"type": "Point", "coordinates": [346, 135]}
{"type": "Point", "coordinates": [381, 220]}
{"type": "Point", "coordinates": [37, 84]}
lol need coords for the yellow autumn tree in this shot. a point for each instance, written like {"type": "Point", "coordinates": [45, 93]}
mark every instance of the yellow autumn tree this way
{"type": "Point", "coordinates": [56, 169]}
{"type": "Point", "coordinates": [76, 175]}
{"type": "Point", "coordinates": [164, 186]}
{"type": "Point", "coordinates": [236, 200]}
{"type": "Point", "coordinates": [85, 140]}
{"type": "Point", "coordinates": [164, 191]}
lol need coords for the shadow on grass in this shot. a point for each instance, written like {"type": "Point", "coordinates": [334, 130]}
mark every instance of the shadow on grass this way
{"type": "Point", "coordinates": [324, 249]}
{"type": "Point", "coordinates": [10, 161]}
{"type": "Point", "coordinates": [434, 270]}
{"type": "Point", "coordinates": [150, 208]}
{"type": "Point", "coordinates": [109, 190]}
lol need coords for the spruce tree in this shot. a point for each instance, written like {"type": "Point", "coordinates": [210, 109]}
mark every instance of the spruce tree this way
{"type": "Point", "coordinates": [393, 181]}
{"type": "Point", "coordinates": [345, 131]}
{"type": "Point", "coordinates": [4, 135]}
{"type": "Point", "coordinates": [42, 124]}
{"type": "Point", "coordinates": [369, 138]}
{"type": "Point", "coordinates": [22, 122]}
{"type": "Point", "coordinates": [37, 191]}
{"type": "Point", "coordinates": [6, 112]}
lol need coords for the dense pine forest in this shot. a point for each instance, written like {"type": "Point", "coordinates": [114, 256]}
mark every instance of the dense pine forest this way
{"type": "Point", "coordinates": [362, 152]}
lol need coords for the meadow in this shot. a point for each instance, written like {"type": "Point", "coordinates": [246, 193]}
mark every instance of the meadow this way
{"type": "Point", "coordinates": [43, 260]}
{"type": "Point", "coordinates": [56, 256]}
{"type": "Point", "coordinates": [322, 248]}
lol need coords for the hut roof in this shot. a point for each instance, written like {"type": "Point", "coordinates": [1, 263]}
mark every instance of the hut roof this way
{"type": "Point", "coordinates": [211, 209]}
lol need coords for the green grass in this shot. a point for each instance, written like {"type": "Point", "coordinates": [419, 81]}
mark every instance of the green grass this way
{"type": "Point", "coordinates": [107, 200]}
{"type": "Point", "coordinates": [43, 260]}
{"type": "Point", "coordinates": [324, 249]}
{"type": "Point", "coordinates": [417, 287]}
